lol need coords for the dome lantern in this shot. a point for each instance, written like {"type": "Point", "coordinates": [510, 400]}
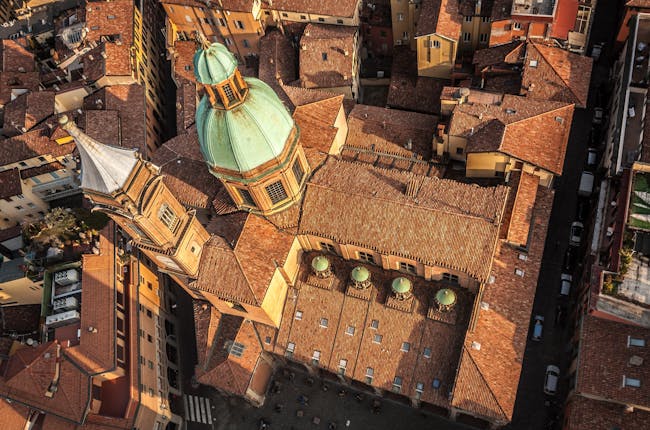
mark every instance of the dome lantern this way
{"type": "Point", "coordinates": [445, 299]}
{"type": "Point", "coordinates": [321, 266]}
{"type": "Point", "coordinates": [401, 288]}
{"type": "Point", "coordinates": [360, 277]}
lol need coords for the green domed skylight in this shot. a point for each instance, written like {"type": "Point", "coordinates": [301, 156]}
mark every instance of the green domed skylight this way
{"type": "Point", "coordinates": [401, 285]}
{"type": "Point", "coordinates": [360, 274]}
{"type": "Point", "coordinates": [320, 263]}
{"type": "Point", "coordinates": [446, 297]}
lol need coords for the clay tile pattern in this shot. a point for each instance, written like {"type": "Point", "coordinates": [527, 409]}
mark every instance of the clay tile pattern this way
{"type": "Point", "coordinates": [588, 414]}
{"type": "Point", "coordinates": [96, 351]}
{"type": "Point", "coordinates": [251, 257]}
{"type": "Point", "coordinates": [10, 184]}
{"type": "Point", "coordinates": [522, 213]}
{"type": "Point", "coordinates": [183, 62]}
{"type": "Point", "coordinates": [440, 17]}
{"type": "Point", "coordinates": [103, 125]}
{"type": "Point", "coordinates": [15, 58]}
{"type": "Point", "coordinates": [32, 144]}
{"type": "Point", "coordinates": [316, 123]}
{"type": "Point", "coordinates": [326, 56]}
{"type": "Point", "coordinates": [605, 359]}
{"type": "Point", "coordinates": [560, 75]}
{"type": "Point", "coordinates": [41, 170]}
{"type": "Point", "coordinates": [185, 171]}
{"type": "Point", "coordinates": [436, 228]}
{"type": "Point", "coordinates": [30, 372]}
{"type": "Point", "coordinates": [508, 53]}
{"type": "Point", "coordinates": [502, 330]}
{"type": "Point", "coordinates": [14, 416]}
{"type": "Point", "coordinates": [390, 131]}
{"type": "Point", "coordinates": [277, 61]}
{"type": "Point", "coordinates": [339, 8]}
{"type": "Point", "coordinates": [27, 110]}
{"type": "Point", "coordinates": [109, 19]}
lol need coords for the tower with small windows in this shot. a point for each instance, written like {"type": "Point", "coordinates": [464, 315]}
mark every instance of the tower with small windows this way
{"type": "Point", "coordinates": [248, 138]}
{"type": "Point", "coordinates": [131, 191]}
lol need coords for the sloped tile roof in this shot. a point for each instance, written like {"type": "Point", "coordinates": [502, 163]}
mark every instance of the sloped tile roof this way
{"type": "Point", "coordinates": [503, 328]}
{"type": "Point", "coordinates": [30, 145]}
{"type": "Point", "coordinates": [10, 184]}
{"type": "Point", "coordinates": [440, 17]}
{"type": "Point", "coordinates": [506, 53]}
{"type": "Point", "coordinates": [27, 110]}
{"type": "Point", "coordinates": [326, 55]}
{"type": "Point", "coordinates": [339, 8]}
{"type": "Point", "coordinates": [588, 414]}
{"type": "Point", "coordinates": [14, 415]}
{"type": "Point", "coordinates": [438, 227]}
{"type": "Point", "coordinates": [522, 212]}
{"type": "Point", "coordinates": [15, 57]}
{"type": "Point", "coordinates": [559, 75]}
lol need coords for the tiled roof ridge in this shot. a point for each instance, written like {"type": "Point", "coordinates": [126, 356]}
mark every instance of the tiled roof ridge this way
{"type": "Point", "coordinates": [413, 175]}
{"type": "Point", "coordinates": [334, 96]}
{"type": "Point", "coordinates": [468, 354]}
{"type": "Point", "coordinates": [566, 105]}
{"type": "Point", "coordinates": [227, 363]}
{"type": "Point", "coordinates": [213, 344]}
{"type": "Point", "coordinates": [567, 84]}
{"type": "Point", "coordinates": [243, 272]}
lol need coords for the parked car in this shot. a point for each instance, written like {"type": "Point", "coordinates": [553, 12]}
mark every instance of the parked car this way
{"type": "Point", "coordinates": [538, 327]}
{"type": "Point", "coordinates": [586, 187]}
{"type": "Point", "coordinates": [551, 380]}
{"type": "Point", "coordinates": [565, 284]}
{"type": "Point", "coordinates": [592, 157]}
{"type": "Point", "coordinates": [599, 114]}
{"type": "Point", "coordinates": [575, 237]}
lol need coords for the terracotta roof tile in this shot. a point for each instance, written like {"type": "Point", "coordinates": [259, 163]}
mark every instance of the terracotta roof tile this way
{"type": "Point", "coordinates": [316, 122]}
{"type": "Point", "coordinates": [31, 371]}
{"type": "Point", "coordinates": [252, 257]}
{"type": "Point", "coordinates": [389, 131]}
{"type": "Point", "coordinates": [588, 414]}
{"type": "Point", "coordinates": [559, 75]}
{"type": "Point", "coordinates": [183, 62]}
{"type": "Point", "coordinates": [522, 213]}
{"type": "Point", "coordinates": [448, 215]}
{"type": "Point", "coordinates": [502, 329]}
{"type": "Point", "coordinates": [96, 351]}
{"type": "Point", "coordinates": [31, 144]}
{"type": "Point", "coordinates": [185, 105]}
{"type": "Point", "coordinates": [605, 358]}
{"type": "Point", "coordinates": [41, 170]}
{"type": "Point", "coordinates": [27, 110]}
{"type": "Point", "coordinates": [14, 416]}
{"type": "Point", "coordinates": [185, 172]}
{"type": "Point", "coordinates": [103, 125]}
{"type": "Point", "coordinates": [440, 17]}
{"type": "Point", "coordinates": [326, 56]}
{"type": "Point", "coordinates": [339, 8]}
{"type": "Point", "coordinates": [508, 53]}
{"type": "Point", "coordinates": [11, 80]}
{"type": "Point", "coordinates": [107, 59]}
{"type": "Point", "coordinates": [110, 19]}
{"type": "Point", "coordinates": [15, 58]}
{"type": "Point", "coordinates": [298, 96]}
{"type": "Point", "coordinates": [517, 127]}
{"type": "Point", "coordinates": [10, 184]}
{"type": "Point", "coordinates": [277, 59]}
{"type": "Point", "coordinates": [206, 323]}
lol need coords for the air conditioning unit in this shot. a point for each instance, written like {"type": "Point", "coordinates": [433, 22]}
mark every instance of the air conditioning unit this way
{"type": "Point", "coordinates": [65, 304]}
{"type": "Point", "coordinates": [66, 277]}
{"type": "Point", "coordinates": [61, 319]}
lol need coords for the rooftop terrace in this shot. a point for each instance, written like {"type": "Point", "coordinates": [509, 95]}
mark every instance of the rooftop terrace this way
{"type": "Point", "coordinates": [534, 7]}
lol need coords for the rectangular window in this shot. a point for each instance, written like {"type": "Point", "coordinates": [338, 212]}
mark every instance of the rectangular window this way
{"type": "Point", "coordinates": [120, 353]}
{"type": "Point", "coordinates": [222, 22]}
{"type": "Point", "coordinates": [633, 341]}
{"type": "Point", "coordinates": [485, 19]}
{"type": "Point", "coordinates": [467, 37]}
{"type": "Point", "coordinates": [419, 389]}
{"type": "Point", "coordinates": [239, 25]}
{"type": "Point", "coordinates": [450, 278]}
{"type": "Point", "coordinates": [400, 16]}
{"type": "Point", "coordinates": [150, 364]}
{"type": "Point", "coordinates": [246, 197]}
{"type": "Point", "coordinates": [350, 330]}
{"type": "Point", "coordinates": [519, 272]}
{"type": "Point", "coordinates": [303, 17]}
{"type": "Point", "coordinates": [298, 315]}
{"type": "Point", "coordinates": [406, 347]}
{"type": "Point", "coordinates": [339, 21]}
{"type": "Point", "coordinates": [468, 19]}
{"type": "Point", "coordinates": [237, 349]}
{"type": "Point", "coordinates": [406, 267]}
{"type": "Point", "coordinates": [427, 352]}
{"type": "Point", "coordinates": [298, 171]}
{"type": "Point", "coordinates": [483, 38]}
{"type": "Point", "coordinates": [54, 175]}
{"type": "Point", "coordinates": [516, 25]}
{"type": "Point", "coordinates": [276, 192]}
{"type": "Point", "coordinates": [227, 41]}
{"type": "Point", "coordinates": [245, 43]}
{"type": "Point", "coordinates": [324, 322]}
{"type": "Point", "coordinates": [328, 247]}
{"type": "Point", "coordinates": [405, 35]}
{"type": "Point", "coordinates": [227, 90]}
{"type": "Point", "coordinates": [631, 382]}
{"type": "Point", "coordinates": [343, 364]}
{"type": "Point", "coordinates": [291, 347]}
{"type": "Point", "coordinates": [397, 384]}
{"type": "Point", "coordinates": [374, 324]}
{"type": "Point", "coordinates": [315, 358]}
{"type": "Point", "coordinates": [377, 338]}
{"type": "Point", "coordinates": [370, 373]}
{"type": "Point", "coordinates": [324, 55]}
{"type": "Point", "coordinates": [367, 257]}
{"type": "Point", "coordinates": [167, 216]}
{"type": "Point", "coordinates": [533, 63]}
{"type": "Point", "coordinates": [321, 19]}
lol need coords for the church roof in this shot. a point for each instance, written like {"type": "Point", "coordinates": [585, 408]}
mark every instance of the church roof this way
{"type": "Point", "coordinates": [214, 64]}
{"type": "Point", "coordinates": [104, 168]}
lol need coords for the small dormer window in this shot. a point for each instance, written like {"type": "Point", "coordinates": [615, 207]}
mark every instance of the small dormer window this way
{"type": "Point", "coordinates": [631, 382]}
{"type": "Point", "coordinates": [229, 93]}
{"type": "Point", "coordinates": [633, 341]}
{"type": "Point", "coordinates": [167, 216]}
{"type": "Point", "coordinates": [276, 192]}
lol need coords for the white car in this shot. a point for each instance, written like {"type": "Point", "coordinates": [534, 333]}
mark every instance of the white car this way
{"type": "Point", "coordinates": [596, 50]}
{"type": "Point", "coordinates": [551, 380]}
{"type": "Point", "coordinates": [575, 236]}
{"type": "Point", "coordinates": [538, 326]}
{"type": "Point", "coordinates": [565, 286]}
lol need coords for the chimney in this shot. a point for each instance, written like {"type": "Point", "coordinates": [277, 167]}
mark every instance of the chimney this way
{"type": "Point", "coordinates": [54, 385]}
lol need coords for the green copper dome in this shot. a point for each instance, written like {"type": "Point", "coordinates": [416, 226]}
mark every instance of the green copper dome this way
{"type": "Point", "coordinates": [360, 274]}
{"type": "Point", "coordinates": [320, 263]}
{"type": "Point", "coordinates": [214, 64]}
{"type": "Point", "coordinates": [246, 136]}
{"type": "Point", "coordinates": [446, 297]}
{"type": "Point", "coordinates": [401, 285]}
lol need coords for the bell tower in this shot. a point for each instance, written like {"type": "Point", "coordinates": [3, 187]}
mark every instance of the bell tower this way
{"type": "Point", "coordinates": [131, 191]}
{"type": "Point", "coordinates": [248, 138]}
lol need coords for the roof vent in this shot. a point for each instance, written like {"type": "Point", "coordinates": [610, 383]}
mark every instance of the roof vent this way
{"type": "Point", "coordinates": [635, 360]}
{"type": "Point", "coordinates": [476, 346]}
{"type": "Point", "coordinates": [401, 288]}
{"type": "Point", "coordinates": [485, 306]}
{"type": "Point", "coordinates": [360, 277]}
{"type": "Point", "coordinates": [321, 266]}
{"type": "Point", "coordinates": [511, 111]}
{"type": "Point", "coordinates": [409, 144]}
